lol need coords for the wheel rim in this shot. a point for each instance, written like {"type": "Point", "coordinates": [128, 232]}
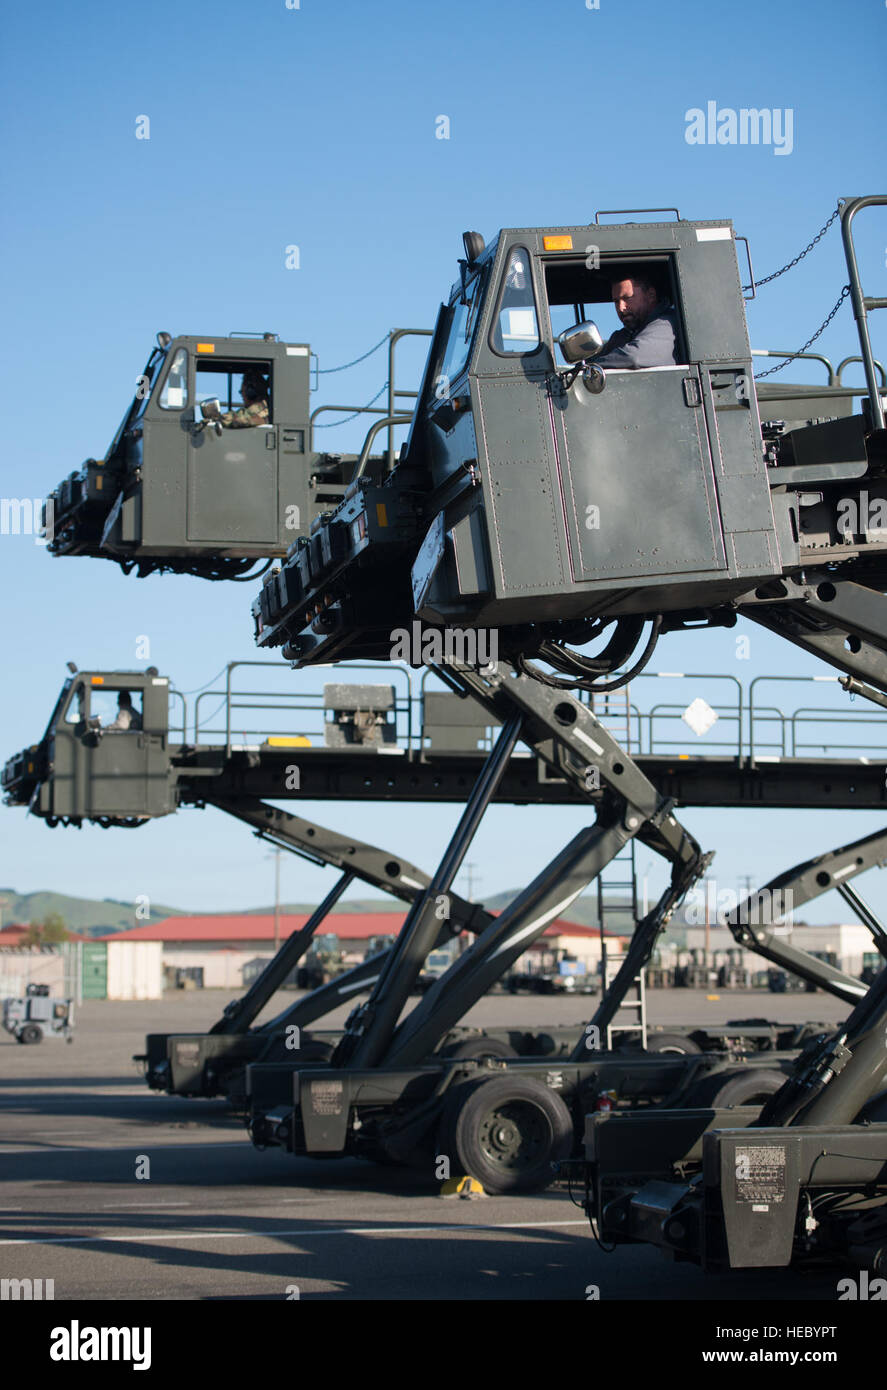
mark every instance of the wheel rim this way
{"type": "Point", "coordinates": [515, 1136]}
{"type": "Point", "coordinates": [759, 1098]}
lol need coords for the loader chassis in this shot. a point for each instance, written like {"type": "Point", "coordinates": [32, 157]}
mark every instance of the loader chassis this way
{"type": "Point", "coordinates": [512, 512]}
{"type": "Point", "coordinates": [514, 507]}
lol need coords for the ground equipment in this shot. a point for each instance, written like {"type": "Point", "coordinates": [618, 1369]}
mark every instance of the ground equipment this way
{"type": "Point", "coordinates": [803, 1181]}
{"type": "Point", "coordinates": [538, 503]}
{"type": "Point", "coordinates": [510, 533]}
{"type": "Point", "coordinates": [36, 1016]}
{"type": "Point", "coordinates": [78, 773]}
{"type": "Point", "coordinates": [179, 490]}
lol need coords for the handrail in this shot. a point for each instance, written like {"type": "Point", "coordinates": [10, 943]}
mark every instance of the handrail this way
{"type": "Point", "coordinates": [857, 358]}
{"type": "Point", "coordinates": [701, 675]}
{"type": "Point", "coordinates": [313, 700]}
{"type": "Point", "coordinates": [811, 356]}
{"type": "Point", "coordinates": [748, 715]}
{"type": "Point", "coordinates": [349, 409]}
{"type": "Point", "coordinates": [394, 393]}
{"type": "Point", "coordinates": [824, 716]}
{"type": "Point", "coordinates": [772, 714]}
{"type": "Point", "coordinates": [390, 421]}
{"type": "Point", "coordinates": [394, 338]}
{"type": "Point", "coordinates": [174, 727]}
{"type": "Point", "coordinates": [822, 680]}
{"type": "Point", "coordinates": [849, 208]}
{"type": "Point", "coordinates": [725, 713]}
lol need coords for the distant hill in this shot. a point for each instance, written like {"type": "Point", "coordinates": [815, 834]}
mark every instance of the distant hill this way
{"type": "Point", "coordinates": [95, 917]}
{"type": "Point", "coordinates": [86, 916]}
{"type": "Point", "coordinates": [351, 905]}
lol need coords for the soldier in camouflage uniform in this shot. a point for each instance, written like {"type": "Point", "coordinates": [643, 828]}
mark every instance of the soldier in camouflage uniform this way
{"type": "Point", "coordinates": [254, 411]}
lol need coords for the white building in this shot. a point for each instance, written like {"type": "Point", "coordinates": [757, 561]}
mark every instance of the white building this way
{"type": "Point", "coordinates": [848, 945]}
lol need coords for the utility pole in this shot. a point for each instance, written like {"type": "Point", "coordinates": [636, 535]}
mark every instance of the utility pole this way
{"type": "Point", "coordinates": [469, 874]}
{"type": "Point", "coordinates": [275, 855]}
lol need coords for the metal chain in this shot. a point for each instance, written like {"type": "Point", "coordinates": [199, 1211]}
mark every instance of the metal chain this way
{"type": "Point", "coordinates": [328, 371]}
{"type": "Point", "coordinates": [843, 295]}
{"type": "Point", "coordinates": [819, 235]}
{"type": "Point", "coordinates": [333, 424]}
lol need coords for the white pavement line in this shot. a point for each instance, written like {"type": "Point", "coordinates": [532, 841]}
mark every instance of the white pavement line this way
{"type": "Point", "coordinates": [124, 1206]}
{"type": "Point", "coordinates": [59, 1133]}
{"type": "Point", "coordinates": [118, 1148]}
{"type": "Point", "coordinates": [69, 1097]}
{"type": "Point", "coordinates": [258, 1235]}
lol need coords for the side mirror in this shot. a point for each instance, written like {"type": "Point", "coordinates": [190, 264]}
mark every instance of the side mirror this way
{"type": "Point", "coordinates": [211, 409]}
{"type": "Point", "coordinates": [581, 341]}
{"type": "Point", "coordinates": [593, 379]}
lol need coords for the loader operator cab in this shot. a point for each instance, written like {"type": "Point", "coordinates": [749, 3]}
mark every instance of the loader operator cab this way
{"type": "Point", "coordinates": [593, 488]}
{"type": "Point", "coordinates": [550, 491]}
{"type": "Point", "coordinates": [93, 765]}
{"type": "Point", "coordinates": [543, 496]}
{"type": "Point", "coordinates": [179, 491]}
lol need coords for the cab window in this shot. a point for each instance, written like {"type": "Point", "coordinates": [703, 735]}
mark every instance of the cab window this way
{"type": "Point", "coordinates": [144, 386]}
{"type": "Point", "coordinates": [577, 291]}
{"type": "Point", "coordinates": [462, 326]}
{"type": "Point", "coordinates": [77, 707]}
{"type": "Point", "coordinates": [515, 325]}
{"type": "Point", "coordinates": [174, 395]}
{"type": "Point", "coordinates": [103, 703]}
{"type": "Point", "coordinates": [221, 378]}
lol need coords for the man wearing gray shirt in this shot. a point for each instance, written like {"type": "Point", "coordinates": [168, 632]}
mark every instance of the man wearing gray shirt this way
{"type": "Point", "coordinates": [647, 338]}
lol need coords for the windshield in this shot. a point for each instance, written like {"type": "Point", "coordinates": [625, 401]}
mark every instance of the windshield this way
{"type": "Point", "coordinates": [464, 313]}
{"type": "Point", "coordinates": [143, 391]}
{"type": "Point", "coordinates": [58, 704]}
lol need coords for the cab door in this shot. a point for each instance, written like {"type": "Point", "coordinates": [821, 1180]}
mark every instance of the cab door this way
{"type": "Point", "coordinates": [637, 476]}
{"type": "Point", "coordinates": [233, 476]}
{"type": "Point", "coordinates": [232, 486]}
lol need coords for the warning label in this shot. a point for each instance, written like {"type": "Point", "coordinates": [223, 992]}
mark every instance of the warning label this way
{"type": "Point", "coordinates": [326, 1097]}
{"type": "Point", "coordinates": [760, 1175]}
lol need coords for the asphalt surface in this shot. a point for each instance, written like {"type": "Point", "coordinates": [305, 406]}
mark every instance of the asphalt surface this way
{"type": "Point", "coordinates": [212, 1218]}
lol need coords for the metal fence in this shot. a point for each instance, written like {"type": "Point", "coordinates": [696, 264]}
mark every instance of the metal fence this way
{"type": "Point", "coordinates": [261, 700]}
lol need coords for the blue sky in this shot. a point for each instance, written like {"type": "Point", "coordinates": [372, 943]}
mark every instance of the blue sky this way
{"type": "Point", "coordinates": [315, 126]}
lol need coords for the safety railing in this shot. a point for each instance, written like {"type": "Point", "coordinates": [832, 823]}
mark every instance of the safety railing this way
{"type": "Point", "coordinates": [235, 717]}
{"type": "Point", "coordinates": [672, 713]}
{"type": "Point", "coordinates": [175, 725]}
{"type": "Point", "coordinates": [786, 721]}
{"type": "Point", "coordinates": [393, 414]}
{"type": "Point", "coordinates": [862, 303]}
{"type": "Point", "coordinates": [748, 725]}
{"type": "Point", "coordinates": [821, 747]}
{"type": "Point", "coordinates": [806, 356]}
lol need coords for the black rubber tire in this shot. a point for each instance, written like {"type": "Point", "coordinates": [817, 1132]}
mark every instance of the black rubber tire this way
{"type": "Point", "coordinates": [672, 1042]}
{"type": "Point", "coordinates": [31, 1033]}
{"type": "Point", "coordinates": [506, 1132]}
{"type": "Point", "coordinates": [480, 1047]}
{"type": "Point", "coordinates": [750, 1086]}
